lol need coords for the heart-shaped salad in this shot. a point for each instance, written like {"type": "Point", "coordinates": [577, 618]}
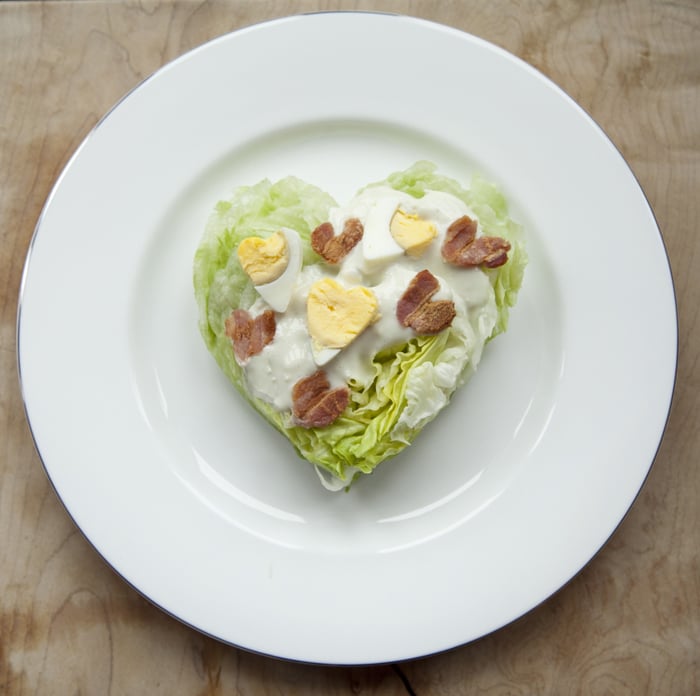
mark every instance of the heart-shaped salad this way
{"type": "Point", "coordinates": [350, 327]}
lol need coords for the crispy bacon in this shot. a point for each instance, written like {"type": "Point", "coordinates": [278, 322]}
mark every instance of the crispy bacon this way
{"type": "Point", "coordinates": [315, 404]}
{"type": "Point", "coordinates": [308, 390]}
{"type": "Point", "coordinates": [432, 317]}
{"type": "Point", "coordinates": [333, 248]}
{"type": "Point", "coordinates": [463, 248]}
{"type": "Point", "coordinates": [326, 409]}
{"type": "Point", "coordinates": [484, 251]}
{"type": "Point", "coordinates": [415, 309]}
{"type": "Point", "coordinates": [421, 288]}
{"type": "Point", "coordinates": [250, 335]}
{"type": "Point", "coordinates": [459, 234]}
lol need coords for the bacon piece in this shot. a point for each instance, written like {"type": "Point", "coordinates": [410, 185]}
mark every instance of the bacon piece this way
{"type": "Point", "coordinates": [463, 248]}
{"type": "Point", "coordinates": [315, 404]}
{"type": "Point", "coordinates": [421, 288]}
{"type": "Point", "coordinates": [333, 248]}
{"type": "Point", "coordinates": [459, 234]}
{"type": "Point", "coordinates": [308, 390]}
{"type": "Point", "coordinates": [416, 310]}
{"type": "Point", "coordinates": [484, 251]}
{"type": "Point", "coordinates": [432, 317]}
{"type": "Point", "coordinates": [250, 335]}
{"type": "Point", "coordinates": [326, 409]}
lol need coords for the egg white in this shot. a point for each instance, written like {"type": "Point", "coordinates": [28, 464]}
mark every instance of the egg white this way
{"type": "Point", "coordinates": [278, 293]}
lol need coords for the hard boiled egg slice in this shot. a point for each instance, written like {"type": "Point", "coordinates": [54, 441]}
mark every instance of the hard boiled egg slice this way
{"type": "Point", "coordinates": [378, 246]}
{"type": "Point", "coordinates": [412, 232]}
{"type": "Point", "coordinates": [273, 264]}
{"type": "Point", "coordinates": [323, 355]}
{"type": "Point", "coordinates": [336, 316]}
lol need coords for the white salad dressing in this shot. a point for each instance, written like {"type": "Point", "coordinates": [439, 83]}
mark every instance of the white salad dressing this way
{"type": "Point", "coordinates": [380, 264]}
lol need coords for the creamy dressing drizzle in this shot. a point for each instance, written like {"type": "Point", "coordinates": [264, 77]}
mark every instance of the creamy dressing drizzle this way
{"type": "Point", "coordinates": [380, 264]}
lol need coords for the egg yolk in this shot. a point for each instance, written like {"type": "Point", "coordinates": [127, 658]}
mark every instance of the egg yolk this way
{"type": "Point", "coordinates": [264, 260]}
{"type": "Point", "coordinates": [337, 315]}
{"type": "Point", "coordinates": [411, 232]}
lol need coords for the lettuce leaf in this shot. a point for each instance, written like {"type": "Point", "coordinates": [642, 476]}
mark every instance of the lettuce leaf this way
{"type": "Point", "coordinates": [220, 283]}
{"type": "Point", "coordinates": [412, 382]}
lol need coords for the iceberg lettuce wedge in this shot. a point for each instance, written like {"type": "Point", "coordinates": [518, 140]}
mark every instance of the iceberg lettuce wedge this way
{"type": "Point", "coordinates": [411, 382]}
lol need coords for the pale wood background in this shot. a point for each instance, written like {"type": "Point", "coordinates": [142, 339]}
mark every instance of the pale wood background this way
{"type": "Point", "coordinates": [629, 623]}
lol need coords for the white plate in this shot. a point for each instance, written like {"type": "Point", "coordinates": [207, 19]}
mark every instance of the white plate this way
{"type": "Point", "coordinates": [199, 504]}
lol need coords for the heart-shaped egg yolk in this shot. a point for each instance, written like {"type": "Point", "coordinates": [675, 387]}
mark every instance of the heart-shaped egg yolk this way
{"type": "Point", "coordinates": [264, 260]}
{"type": "Point", "coordinates": [337, 315]}
{"type": "Point", "coordinates": [411, 232]}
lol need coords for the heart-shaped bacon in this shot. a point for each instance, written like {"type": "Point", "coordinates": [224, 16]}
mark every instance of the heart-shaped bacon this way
{"type": "Point", "coordinates": [416, 310]}
{"type": "Point", "coordinates": [463, 248]}
{"type": "Point", "coordinates": [315, 404]}
{"type": "Point", "coordinates": [250, 335]}
{"type": "Point", "coordinates": [333, 248]}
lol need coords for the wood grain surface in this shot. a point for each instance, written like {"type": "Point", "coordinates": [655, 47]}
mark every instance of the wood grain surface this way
{"type": "Point", "coordinates": [629, 623]}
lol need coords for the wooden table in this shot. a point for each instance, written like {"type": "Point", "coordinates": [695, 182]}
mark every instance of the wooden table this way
{"type": "Point", "coordinates": [629, 623]}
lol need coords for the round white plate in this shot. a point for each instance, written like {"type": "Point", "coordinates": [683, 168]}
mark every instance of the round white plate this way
{"type": "Point", "coordinates": [195, 500]}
